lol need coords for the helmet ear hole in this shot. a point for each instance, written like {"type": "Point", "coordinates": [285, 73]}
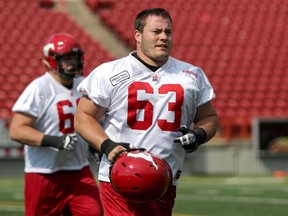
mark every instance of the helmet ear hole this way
{"type": "Point", "coordinates": [140, 176]}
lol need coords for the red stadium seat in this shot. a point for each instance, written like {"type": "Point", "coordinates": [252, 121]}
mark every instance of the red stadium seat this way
{"type": "Point", "coordinates": [241, 45]}
{"type": "Point", "coordinates": [21, 40]}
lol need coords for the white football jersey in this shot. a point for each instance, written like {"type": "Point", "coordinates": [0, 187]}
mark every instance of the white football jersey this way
{"type": "Point", "coordinates": [145, 108]}
{"type": "Point", "coordinates": [53, 106]}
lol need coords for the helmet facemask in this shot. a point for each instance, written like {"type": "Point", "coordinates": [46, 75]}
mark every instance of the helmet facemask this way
{"type": "Point", "coordinates": [70, 65]}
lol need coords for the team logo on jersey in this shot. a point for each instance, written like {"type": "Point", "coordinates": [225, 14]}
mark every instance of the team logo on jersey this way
{"type": "Point", "coordinates": [189, 72]}
{"type": "Point", "coordinates": [45, 94]}
{"type": "Point", "coordinates": [155, 78]}
{"type": "Point", "coordinates": [124, 75]}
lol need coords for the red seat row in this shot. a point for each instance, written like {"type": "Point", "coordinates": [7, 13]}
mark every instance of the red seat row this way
{"type": "Point", "coordinates": [22, 37]}
{"type": "Point", "coordinates": [241, 45]}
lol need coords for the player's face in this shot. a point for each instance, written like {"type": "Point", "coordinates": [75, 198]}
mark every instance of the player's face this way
{"type": "Point", "coordinates": [69, 63]}
{"type": "Point", "coordinates": [155, 43]}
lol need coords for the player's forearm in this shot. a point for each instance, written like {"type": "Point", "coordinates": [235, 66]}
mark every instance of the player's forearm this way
{"type": "Point", "coordinates": [26, 135]}
{"type": "Point", "coordinates": [210, 125]}
{"type": "Point", "coordinates": [91, 131]}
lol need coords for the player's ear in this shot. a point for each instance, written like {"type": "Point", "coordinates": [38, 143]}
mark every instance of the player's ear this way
{"type": "Point", "coordinates": [137, 36]}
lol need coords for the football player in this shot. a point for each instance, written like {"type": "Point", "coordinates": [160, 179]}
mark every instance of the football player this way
{"type": "Point", "coordinates": [148, 100]}
{"type": "Point", "coordinates": [58, 180]}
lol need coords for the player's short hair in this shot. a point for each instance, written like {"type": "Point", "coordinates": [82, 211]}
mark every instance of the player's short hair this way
{"type": "Point", "coordinates": [140, 20]}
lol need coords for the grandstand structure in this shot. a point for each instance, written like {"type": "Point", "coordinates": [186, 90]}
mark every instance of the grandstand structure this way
{"type": "Point", "coordinates": [22, 37]}
{"type": "Point", "coordinates": [241, 45]}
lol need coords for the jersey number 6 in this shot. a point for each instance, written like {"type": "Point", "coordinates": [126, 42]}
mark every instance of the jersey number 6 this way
{"type": "Point", "coordinates": [65, 117]}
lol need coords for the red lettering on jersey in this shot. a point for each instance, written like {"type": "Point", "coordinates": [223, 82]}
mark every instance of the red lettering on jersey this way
{"type": "Point", "coordinates": [135, 105]}
{"type": "Point", "coordinates": [63, 117]}
{"type": "Point", "coordinates": [172, 106]}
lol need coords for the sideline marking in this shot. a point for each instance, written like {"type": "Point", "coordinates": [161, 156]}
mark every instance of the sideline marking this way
{"type": "Point", "coordinates": [239, 199]}
{"type": "Point", "coordinates": [175, 214]}
{"type": "Point", "coordinates": [251, 180]}
{"type": "Point", "coordinates": [12, 208]}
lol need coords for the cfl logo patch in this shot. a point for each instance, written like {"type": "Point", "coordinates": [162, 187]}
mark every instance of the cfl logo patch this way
{"type": "Point", "coordinates": [155, 78]}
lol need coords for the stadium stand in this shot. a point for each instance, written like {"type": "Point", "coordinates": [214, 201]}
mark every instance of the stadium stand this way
{"type": "Point", "coordinates": [21, 39]}
{"type": "Point", "coordinates": [241, 45]}
{"type": "Point", "coordinates": [25, 27]}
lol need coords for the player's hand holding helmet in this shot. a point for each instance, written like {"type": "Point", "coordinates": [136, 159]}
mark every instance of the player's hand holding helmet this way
{"type": "Point", "coordinates": [191, 139]}
{"type": "Point", "coordinates": [109, 146]}
{"type": "Point", "coordinates": [140, 176]}
{"type": "Point", "coordinates": [67, 142]}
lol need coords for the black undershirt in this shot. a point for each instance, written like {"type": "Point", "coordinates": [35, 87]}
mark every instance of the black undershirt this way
{"type": "Point", "coordinates": [152, 68]}
{"type": "Point", "coordinates": [69, 86]}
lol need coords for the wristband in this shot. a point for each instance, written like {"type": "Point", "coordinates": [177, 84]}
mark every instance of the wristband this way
{"type": "Point", "coordinates": [53, 141]}
{"type": "Point", "coordinates": [200, 134]}
{"type": "Point", "coordinates": [108, 145]}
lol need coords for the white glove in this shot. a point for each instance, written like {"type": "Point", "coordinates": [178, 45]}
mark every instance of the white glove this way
{"type": "Point", "coordinates": [188, 140]}
{"type": "Point", "coordinates": [69, 141]}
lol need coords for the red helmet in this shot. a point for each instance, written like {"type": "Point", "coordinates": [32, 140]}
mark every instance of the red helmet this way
{"type": "Point", "coordinates": [62, 45]}
{"type": "Point", "coordinates": [140, 176]}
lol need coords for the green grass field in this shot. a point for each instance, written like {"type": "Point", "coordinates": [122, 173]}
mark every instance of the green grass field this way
{"type": "Point", "coordinates": [196, 196]}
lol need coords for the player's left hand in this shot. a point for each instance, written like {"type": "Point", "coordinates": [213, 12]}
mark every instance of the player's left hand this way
{"type": "Point", "coordinates": [70, 141]}
{"type": "Point", "coordinates": [188, 140]}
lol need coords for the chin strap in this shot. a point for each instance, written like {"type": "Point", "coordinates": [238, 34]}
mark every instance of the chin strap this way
{"type": "Point", "coordinates": [46, 64]}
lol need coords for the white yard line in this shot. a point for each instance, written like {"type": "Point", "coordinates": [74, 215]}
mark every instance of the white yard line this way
{"type": "Point", "coordinates": [255, 180]}
{"type": "Point", "coordinates": [232, 199]}
{"type": "Point", "coordinates": [10, 208]}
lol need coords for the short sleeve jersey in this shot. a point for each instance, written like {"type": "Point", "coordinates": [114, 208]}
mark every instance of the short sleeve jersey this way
{"type": "Point", "coordinates": [145, 108]}
{"type": "Point", "coordinates": [53, 106]}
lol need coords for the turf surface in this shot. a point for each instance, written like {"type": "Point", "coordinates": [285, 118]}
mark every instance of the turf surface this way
{"type": "Point", "coordinates": [196, 196]}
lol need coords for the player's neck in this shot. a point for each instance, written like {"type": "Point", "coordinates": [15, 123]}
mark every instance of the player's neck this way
{"type": "Point", "coordinates": [151, 67]}
{"type": "Point", "coordinates": [68, 83]}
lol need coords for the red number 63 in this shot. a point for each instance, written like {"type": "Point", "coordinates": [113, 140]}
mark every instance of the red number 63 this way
{"type": "Point", "coordinates": [135, 105]}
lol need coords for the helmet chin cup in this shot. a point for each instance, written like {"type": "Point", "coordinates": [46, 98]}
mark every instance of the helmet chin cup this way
{"type": "Point", "coordinates": [67, 75]}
